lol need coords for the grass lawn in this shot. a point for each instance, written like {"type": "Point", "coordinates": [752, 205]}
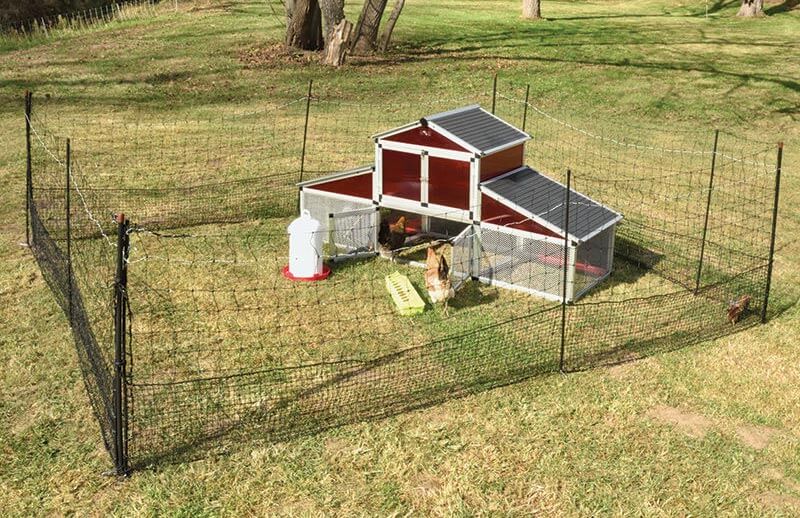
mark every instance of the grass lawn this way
{"type": "Point", "coordinates": [708, 429]}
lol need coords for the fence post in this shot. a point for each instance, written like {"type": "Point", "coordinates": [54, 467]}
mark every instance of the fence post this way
{"type": "Point", "coordinates": [68, 229]}
{"type": "Point", "coordinates": [494, 93]}
{"type": "Point", "coordinates": [525, 109]}
{"type": "Point", "coordinates": [708, 209]}
{"type": "Point", "coordinates": [565, 266]}
{"type": "Point", "coordinates": [29, 169]}
{"type": "Point", "coordinates": [772, 233]}
{"type": "Point", "coordinates": [305, 136]}
{"type": "Point", "coordinates": [120, 303]}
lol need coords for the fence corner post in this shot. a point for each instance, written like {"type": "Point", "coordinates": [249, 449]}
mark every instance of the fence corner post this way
{"type": "Point", "coordinates": [305, 137]}
{"type": "Point", "coordinates": [772, 233]}
{"type": "Point", "coordinates": [565, 266]}
{"type": "Point", "coordinates": [120, 306]}
{"type": "Point", "coordinates": [29, 168]}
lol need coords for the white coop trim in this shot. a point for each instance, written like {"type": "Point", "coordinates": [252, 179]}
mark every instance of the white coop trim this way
{"type": "Point", "coordinates": [437, 211]}
{"type": "Point", "coordinates": [416, 149]}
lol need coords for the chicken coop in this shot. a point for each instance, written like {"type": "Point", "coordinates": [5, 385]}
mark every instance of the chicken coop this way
{"type": "Point", "coordinates": [460, 175]}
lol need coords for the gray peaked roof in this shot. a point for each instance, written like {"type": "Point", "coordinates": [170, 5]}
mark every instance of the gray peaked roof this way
{"type": "Point", "coordinates": [542, 199]}
{"type": "Point", "coordinates": [478, 128]}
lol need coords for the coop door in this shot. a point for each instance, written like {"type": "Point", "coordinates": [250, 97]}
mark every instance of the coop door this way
{"type": "Point", "coordinates": [461, 258]}
{"type": "Point", "coordinates": [352, 233]}
{"type": "Point", "coordinates": [402, 174]}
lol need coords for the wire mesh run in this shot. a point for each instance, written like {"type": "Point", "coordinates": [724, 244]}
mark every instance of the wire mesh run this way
{"type": "Point", "coordinates": [219, 347]}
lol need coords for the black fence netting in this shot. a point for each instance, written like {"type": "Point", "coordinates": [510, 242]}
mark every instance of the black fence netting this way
{"type": "Point", "coordinates": [190, 337]}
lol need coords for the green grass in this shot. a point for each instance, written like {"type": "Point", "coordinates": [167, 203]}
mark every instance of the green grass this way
{"type": "Point", "coordinates": [598, 442]}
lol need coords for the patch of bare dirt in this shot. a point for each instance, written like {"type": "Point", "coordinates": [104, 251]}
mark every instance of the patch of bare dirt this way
{"type": "Point", "coordinates": [754, 436]}
{"type": "Point", "coordinates": [624, 365]}
{"type": "Point", "coordinates": [427, 484]}
{"type": "Point", "coordinates": [275, 56]}
{"type": "Point", "coordinates": [693, 425]}
{"type": "Point", "coordinates": [778, 501]}
{"type": "Point", "coordinates": [777, 475]}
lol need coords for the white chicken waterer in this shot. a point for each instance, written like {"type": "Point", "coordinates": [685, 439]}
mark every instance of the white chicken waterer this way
{"type": "Point", "coordinates": [305, 250]}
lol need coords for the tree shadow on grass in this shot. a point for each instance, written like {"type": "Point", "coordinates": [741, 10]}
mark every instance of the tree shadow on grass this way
{"type": "Point", "coordinates": [784, 7]}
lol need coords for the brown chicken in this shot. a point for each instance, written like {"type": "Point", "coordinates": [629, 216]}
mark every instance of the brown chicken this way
{"type": "Point", "coordinates": [737, 308]}
{"type": "Point", "coordinates": [437, 278]}
{"type": "Point", "coordinates": [392, 236]}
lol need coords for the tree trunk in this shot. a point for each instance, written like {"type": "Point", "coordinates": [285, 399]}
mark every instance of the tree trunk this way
{"type": "Point", "coordinates": [332, 14]}
{"type": "Point", "coordinates": [751, 8]}
{"type": "Point", "coordinates": [531, 9]}
{"type": "Point", "coordinates": [386, 36]}
{"type": "Point", "coordinates": [366, 37]}
{"type": "Point", "coordinates": [289, 7]}
{"type": "Point", "coordinates": [304, 30]}
{"type": "Point", "coordinates": [338, 44]}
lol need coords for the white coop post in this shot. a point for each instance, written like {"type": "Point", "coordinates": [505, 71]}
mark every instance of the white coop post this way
{"type": "Point", "coordinates": [305, 247]}
{"type": "Point", "coordinates": [570, 266]}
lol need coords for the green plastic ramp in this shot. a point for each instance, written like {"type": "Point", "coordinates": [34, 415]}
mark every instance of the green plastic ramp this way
{"type": "Point", "coordinates": [405, 297]}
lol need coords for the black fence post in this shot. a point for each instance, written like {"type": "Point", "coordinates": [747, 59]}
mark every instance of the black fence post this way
{"type": "Point", "coordinates": [565, 265]}
{"type": "Point", "coordinates": [772, 233]}
{"type": "Point", "coordinates": [120, 303]}
{"type": "Point", "coordinates": [708, 209]}
{"type": "Point", "coordinates": [525, 109]}
{"type": "Point", "coordinates": [68, 229]}
{"type": "Point", "coordinates": [29, 170]}
{"type": "Point", "coordinates": [305, 136]}
{"type": "Point", "coordinates": [494, 93]}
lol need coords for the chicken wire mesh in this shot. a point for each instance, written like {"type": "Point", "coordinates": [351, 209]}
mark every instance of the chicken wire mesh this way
{"type": "Point", "coordinates": [218, 346]}
{"type": "Point", "coordinates": [517, 262]}
{"type": "Point", "coordinates": [348, 226]}
{"type": "Point", "coordinates": [593, 261]}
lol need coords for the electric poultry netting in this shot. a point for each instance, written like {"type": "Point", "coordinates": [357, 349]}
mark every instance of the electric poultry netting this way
{"type": "Point", "coordinates": [222, 344]}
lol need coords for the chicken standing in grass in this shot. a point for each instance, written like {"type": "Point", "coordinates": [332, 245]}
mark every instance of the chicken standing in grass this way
{"type": "Point", "coordinates": [437, 278]}
{"type": "Point", "coordinates": [391, 237]}
{"type": "Point", "coordinates": [736, 308]}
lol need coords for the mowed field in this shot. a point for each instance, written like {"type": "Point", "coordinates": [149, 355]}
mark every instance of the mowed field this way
{"type": "Point", "coordinates": [709, 429]}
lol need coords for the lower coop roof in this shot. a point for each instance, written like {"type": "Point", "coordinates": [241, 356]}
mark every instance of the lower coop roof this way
{"type": "Point", "coordinates": [542, 199]}
{"type": "Point", "coordinates": [522, 190]}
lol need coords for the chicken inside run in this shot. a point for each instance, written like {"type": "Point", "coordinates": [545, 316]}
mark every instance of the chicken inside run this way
{"type": "Point", "coordinates": [448, 207]}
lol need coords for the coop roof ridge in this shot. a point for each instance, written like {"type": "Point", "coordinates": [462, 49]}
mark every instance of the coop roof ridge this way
{"type": "Point", "coordinates": [452, 112]}
{"type": "Point", "coordinates": [471, 127]}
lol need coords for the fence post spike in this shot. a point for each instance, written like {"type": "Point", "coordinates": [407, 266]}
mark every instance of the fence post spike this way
{"type": "Point", "coordinates": [305, 136]}
{"type": "Point", "coordinates": [120, 302]}
{"type": "Point", "coordinates": [773, 232]}
{"type": "Point", "coordinates": [699, 275]}
{"type": "Point", "coordinates": [565, 266]}
{"type": "Point", "coordinates": [494, 93]}
{"type": "Point", "coordinates": [68, 230]}
{"type": "Point", "coordinates": [29, 169]}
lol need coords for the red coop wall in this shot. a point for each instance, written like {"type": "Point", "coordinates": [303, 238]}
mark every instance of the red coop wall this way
{"type": "Point", "coordinates": [502, 162]}
{"type": "Point", "coordinates": [448, 182]}
{"type": "Point", "coordinates": [359, 186]}
{"type": "Point", "coordinates": [495, 212]}
{"type": "Point", "coordinates": [425, 137]}
{"type": "Point", "coordinates": [401, 174]}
